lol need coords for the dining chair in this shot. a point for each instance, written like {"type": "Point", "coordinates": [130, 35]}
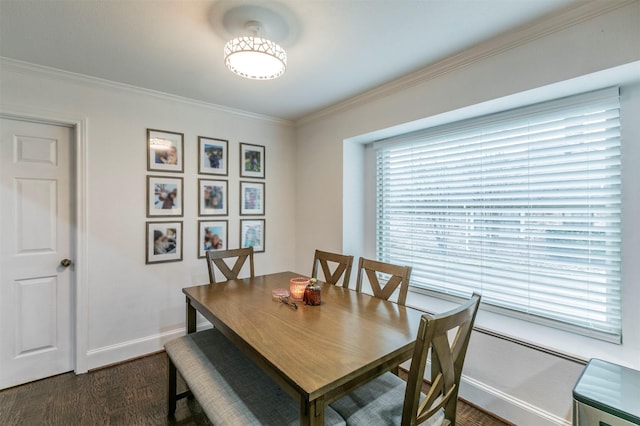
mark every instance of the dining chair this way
{"type": "Point", "coordinates": [220, 259]}
{"type": "Point", "coordinates": [342, 269]}
{"type": "Point", "coordinates": [390, 400]}
{"type": "Point", "coordinates": [398, 276]}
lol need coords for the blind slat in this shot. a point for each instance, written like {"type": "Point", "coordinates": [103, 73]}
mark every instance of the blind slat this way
{"type": "Point", "coordinates": [523, 206]}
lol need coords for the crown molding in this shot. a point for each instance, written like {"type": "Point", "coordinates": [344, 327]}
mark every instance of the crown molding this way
{"type": "Point", "coordinates": [28, 68]}
{"type": "Point", "coordinates": [523, 35]}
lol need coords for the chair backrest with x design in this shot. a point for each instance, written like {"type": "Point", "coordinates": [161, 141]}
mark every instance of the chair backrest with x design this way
{"type": "Point", "coordinates": [399, 277]}
{"type": "Point", "coordinates": [216, 258]}
{"type": "Point", "coordinates": [342, 269]}
{"type": "Point", "coordinates": [447, 360]}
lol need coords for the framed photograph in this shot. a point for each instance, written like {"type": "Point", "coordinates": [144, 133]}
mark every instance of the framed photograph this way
{"type": "Point", "coordinates": [251, 198]}
{"type": "Point", "coordinates": [164, 242]}
{"type": "Point", "coordinates": [252, 233]}
{"type": "Point", "coordinates": [165, 151]}
{"type": "Point", "coordinates": [212, 197]}
{"type": "Point", "coordinates": [252, 161]}
{"type": "Point", "coordinates": [164, 196]}
{"type": "Point", "coordinates": [213, 158]}
{"type": "Point", "coordinates": [212, 235]}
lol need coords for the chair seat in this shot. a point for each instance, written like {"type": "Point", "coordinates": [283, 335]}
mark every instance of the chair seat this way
{"type": "Point", "coordinates": [389, 400]}
{"type": "Point", "coordinates": [378, 402]}
{"type": "Point", "coordinates": [230, 387]}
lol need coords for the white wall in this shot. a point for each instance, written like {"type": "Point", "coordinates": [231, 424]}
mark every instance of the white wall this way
{"type": "Point", "coordinates": [522, 384]}
{"type": "Point", "coordinates": [131, 307]}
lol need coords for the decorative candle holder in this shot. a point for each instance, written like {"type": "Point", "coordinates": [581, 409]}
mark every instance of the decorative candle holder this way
{"type": "Point", "coordinates": [312, 294]}
{"type": "Point", "coordinates": [297, 286]}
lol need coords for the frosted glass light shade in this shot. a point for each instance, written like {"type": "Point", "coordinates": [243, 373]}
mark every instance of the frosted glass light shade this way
{"type": "Point", "coordinates": [255, 58]}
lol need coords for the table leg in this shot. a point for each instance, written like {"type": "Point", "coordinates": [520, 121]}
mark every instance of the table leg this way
{"type": "Point", "coordinates": [312, 412]}
{"type": "Point", "coordinates": [191, 318]}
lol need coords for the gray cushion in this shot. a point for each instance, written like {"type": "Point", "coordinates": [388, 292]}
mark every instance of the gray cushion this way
{"type": "Point", "coordinates": [232, 389]}
{"type": "Point", "coordinates": [378, 402]}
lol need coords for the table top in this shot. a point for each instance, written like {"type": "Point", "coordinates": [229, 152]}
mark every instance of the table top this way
{"type": "Point", "coordinates": [316, 349]}
{"type": "Point", "coordinates": [611, 388]}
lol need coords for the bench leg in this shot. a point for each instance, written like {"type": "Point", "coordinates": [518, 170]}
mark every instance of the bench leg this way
{"type": "Point", "coordinates": [172, 389]}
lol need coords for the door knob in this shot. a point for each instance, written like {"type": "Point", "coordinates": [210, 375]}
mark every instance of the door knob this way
{"type": "Point", "coordinates": [65, 262]}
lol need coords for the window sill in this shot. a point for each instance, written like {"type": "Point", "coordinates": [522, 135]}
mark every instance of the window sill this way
{"type": "Point", "coordinates": [543, 338]}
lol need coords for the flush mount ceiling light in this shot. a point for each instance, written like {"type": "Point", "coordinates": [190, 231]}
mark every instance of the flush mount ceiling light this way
{"type": "Point", "coordinates": [255, 57]}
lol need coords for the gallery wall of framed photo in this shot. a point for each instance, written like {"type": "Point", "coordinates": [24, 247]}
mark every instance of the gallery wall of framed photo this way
{"type": "Point", "coordinates": [165, 183]}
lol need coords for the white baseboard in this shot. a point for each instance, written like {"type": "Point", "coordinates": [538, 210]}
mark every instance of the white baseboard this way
{"type": "Point", "coordinates": [506, 406]}
{"type": "Point", "coordinates": [120, 352]}
{"type": "Point", "coordinates": [124, 351]}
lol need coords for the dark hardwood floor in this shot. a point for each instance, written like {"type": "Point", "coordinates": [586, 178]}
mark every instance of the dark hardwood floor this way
{"type": "Point", "coordinates": [131, 393]}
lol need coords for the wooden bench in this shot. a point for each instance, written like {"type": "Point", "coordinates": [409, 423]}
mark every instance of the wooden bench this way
{"type": "Point", "coordinates": [230, 387]}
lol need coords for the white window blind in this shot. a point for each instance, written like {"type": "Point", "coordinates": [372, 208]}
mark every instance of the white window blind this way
{"type": "Point", "coordinates": [522, 206]}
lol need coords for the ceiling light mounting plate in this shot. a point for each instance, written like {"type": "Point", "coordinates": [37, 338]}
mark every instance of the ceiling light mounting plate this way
{"type": "Point", "coordinates": [254, 28]}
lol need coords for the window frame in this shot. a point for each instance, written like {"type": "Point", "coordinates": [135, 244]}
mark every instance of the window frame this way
{"type": "Point", "coordinates": [508, 115]}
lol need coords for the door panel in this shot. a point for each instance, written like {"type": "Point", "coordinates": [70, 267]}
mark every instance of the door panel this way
{"type": "Point", "coordinates": [35, 230]}
{"type": "Point", "coordinates": [35, 201]}
{"type": "Point", "coordinates": [36, 150]}
{"type": "Point", "coordinates": [33, 300]}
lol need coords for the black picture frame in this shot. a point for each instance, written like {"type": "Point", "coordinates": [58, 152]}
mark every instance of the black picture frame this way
{"type": "Point", "coordinates": [165, 151]}
{"type": "Point", "coordinates": [252, 161]}
{"type": "Point", "coordinates": [213, 156]}
{"type": "Point", "coordinates": [253, 234]}
{"type": "Point", "coordinates": [213, 197]}
{"type": "Point", "coordinates": [163, 242]}
{"type": "Point", "coordinates": [165, 196]}
{"type": "Point", "coordinates": [252, 198]}
{"type": "Point", "coordinates": [212, 235]}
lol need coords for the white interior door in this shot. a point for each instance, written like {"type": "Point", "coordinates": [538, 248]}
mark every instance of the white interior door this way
{"type": "Point", "coordinates": [35, 235]}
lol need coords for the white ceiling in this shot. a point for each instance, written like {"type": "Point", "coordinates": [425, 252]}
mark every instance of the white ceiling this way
{"type": "Point", "coordinates": [336, 48]}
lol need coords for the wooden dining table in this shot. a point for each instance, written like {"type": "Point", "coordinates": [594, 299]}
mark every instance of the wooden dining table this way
{"type": "Point", "coordinates": [315, 353]}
